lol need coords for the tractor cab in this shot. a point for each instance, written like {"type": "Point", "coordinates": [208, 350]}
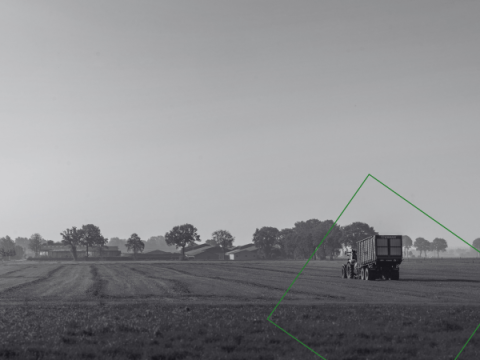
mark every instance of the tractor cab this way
{"type": "Point", "coordinates": [352, 256]}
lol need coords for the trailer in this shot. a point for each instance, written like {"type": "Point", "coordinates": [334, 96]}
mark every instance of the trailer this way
{"type": "Point", "coordinates": [376, 257]}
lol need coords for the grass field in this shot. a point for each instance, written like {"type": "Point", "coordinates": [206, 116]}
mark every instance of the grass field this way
{"type": "Point", "coordinates": [218, 310]}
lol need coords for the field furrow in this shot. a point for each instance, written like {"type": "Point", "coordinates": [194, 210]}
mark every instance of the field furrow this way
{"type": "Point", "coordinates": [123, 282]}
{"type": "Point", "coordinates": [16, 281]}
{"type": "Point", "coordinates": [204, 287]}
{"type": "Point", "coordinates": [67, 282]}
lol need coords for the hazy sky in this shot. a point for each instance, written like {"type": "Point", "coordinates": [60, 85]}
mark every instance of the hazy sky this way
{"type": "Point", "coordinates": [138, 116]}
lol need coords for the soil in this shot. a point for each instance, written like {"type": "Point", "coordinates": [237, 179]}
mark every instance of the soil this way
{"type": "Point", "coordinates": [105, 309]}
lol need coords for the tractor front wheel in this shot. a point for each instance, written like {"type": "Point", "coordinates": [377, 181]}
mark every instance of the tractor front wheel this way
{"type": "Point", "coordinates": [344, 272]}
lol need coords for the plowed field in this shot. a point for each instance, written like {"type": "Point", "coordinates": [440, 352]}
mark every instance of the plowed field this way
{"type": "Point", "coordinates": [151, 310]}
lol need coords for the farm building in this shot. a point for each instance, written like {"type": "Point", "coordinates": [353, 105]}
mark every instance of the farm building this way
{"type": "Point", "coordinates": [105, 251]}
{"type": "Point", "coordinates": [64, 251]}
{"type": "Point", "coordinates": [245, 252]}
{"type": "Point", "coordinates": [156, 255]}
{"type": "Point", "coordinates": [204, 252]}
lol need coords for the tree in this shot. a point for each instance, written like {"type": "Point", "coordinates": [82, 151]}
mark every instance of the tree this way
{"type": "Point", "coordinates": [224, 239]}
{"type": "Point", "coordinates": [211, 242]}
{"type": "Point", "coordinates": [304, 239]}
{"type": "Point", "coordinates": [407, 243]}
{"type": "Point", "coordinates": [331, 242]}
{"type": "Point", "coordinates": [287, 242]}
{"type": "Point", "coordinates": [421, 245]}
{"type": "Point", "coordinates": [136, 244]}
{"type": "Point", "coordinates": [115, 241]}
{"type": "Point", "coordinates": [35, 243]}
{"type": "Point", "coordinates": [7, 247]}
{"type": "Point", "coordinates": [430, 247]}
{"type": "Point", "coordinates": [73, 237]}
{"type": "Point", "coordinates": [476, 245]}
{"type": "Point", "coordinates": [438, 245]}
{"type": "Point", "coordinates": [92, 237]}
{"type": "Point", "coordinates": [7, 243]}
{"type": "Point", "coordinates": [19, 252]}
{"type": "Point", "coordinates": [157, 243]}
{"type": "Point", "coordinates": [356, 231]}
{"type": "Point", "coordinates": [7, 253]}
{"type": "Point", "coordinates": [21, 241]}
{"type": "Point", "coordinates": [307, 238]}
{"type": "Point", "coordinates": [181, 236]}
{"type": "Point", "coordinates": [265, 239]}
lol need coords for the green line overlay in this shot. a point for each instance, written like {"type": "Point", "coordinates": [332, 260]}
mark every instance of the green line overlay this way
{"type": "Point", "coordinates": [316, 249]}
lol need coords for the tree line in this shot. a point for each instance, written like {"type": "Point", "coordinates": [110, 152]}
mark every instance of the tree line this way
{"type": "Point", "coordinates": [298, 242]}
{"type": "Point", "coordinates": [90, 236]}
{"type": "Point", "coordinates": [423, 245]}
{"type": "Point", "coordinates": [14, 249]}
{"type": "Point", "coordinates": [151, 244]}
{"type": "Point", "coordinates": [302, 240]}
{"type": "Point", "coordinates": [185, 236]}
{"type": "Point", "coordinates": [10, 249]}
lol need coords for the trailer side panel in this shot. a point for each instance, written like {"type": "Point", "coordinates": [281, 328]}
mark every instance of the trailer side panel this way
{"type": "Point", "coordinates": [367, 251]}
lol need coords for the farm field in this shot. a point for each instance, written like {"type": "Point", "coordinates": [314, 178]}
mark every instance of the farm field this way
{"type": "Point", "coordinates": [218, 310]}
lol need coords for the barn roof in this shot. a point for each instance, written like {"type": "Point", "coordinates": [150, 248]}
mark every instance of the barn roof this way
{"type": "Point", "coordinates": [198, 249]}
{"type": "Point", "coordinates": [248, 247]}
{"type": "Point", "coordinates": [157, 252]}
